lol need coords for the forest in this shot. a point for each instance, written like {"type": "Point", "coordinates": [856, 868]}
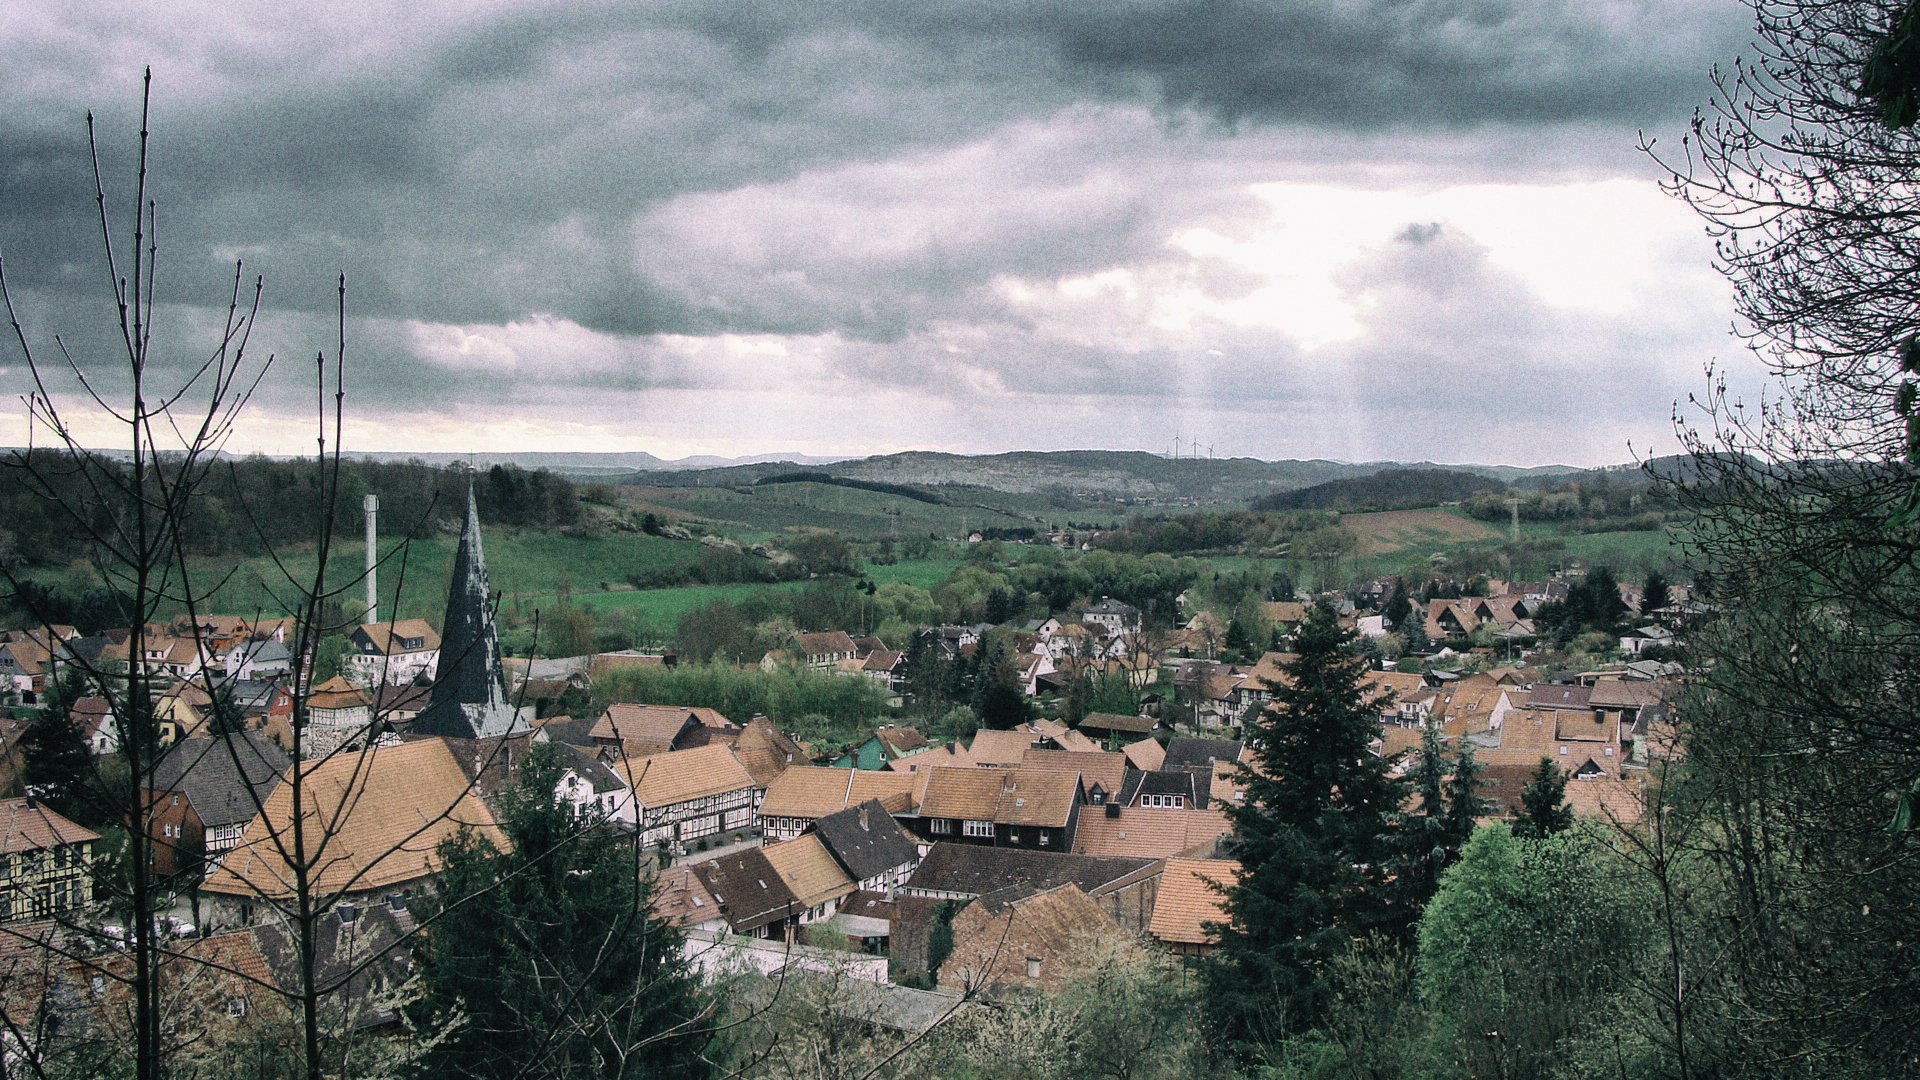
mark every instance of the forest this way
{"type": "Point", "coordinates": [251, 505]}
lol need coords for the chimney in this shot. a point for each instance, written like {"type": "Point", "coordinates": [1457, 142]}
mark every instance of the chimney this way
{"type": "Point", "coordinates": [371, 505]}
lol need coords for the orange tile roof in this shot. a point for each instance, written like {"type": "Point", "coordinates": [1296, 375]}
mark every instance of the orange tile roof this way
{"type": "Point", "coordinates": [643, 730]}
{"type": "Point", "coordinates": [384, 635]}
{"type": "Point", "coordinates": [1606, 799]}
{"type": "Point", "coordinates": [1146, 755]}
{"type": "Point", "coordinates": [1076, 742]}
{"type": "Point", "coordinates": [1036, 796]}
{"type": "Point", "coordinates": [896, 791]}
{"type": "Point", "coordinates": [387, 810]}
{"type": "Point", "coordinates": [680, 898]}
{"type": "Point", "coordinates": [1109, 770]}
{"type": "Point", "coordinates": [36, 828]}
{"type": "Point", "coordinates": [1188, 899]}
{"type": "Point", "coordinates": [1147, 832]}
{"type": "Point", "coordinates": [682, 775]}
{"type": "Point", "coordinates": [808, 870]}
{"type": "Point", "coordinates": [807, 791]}
{"type": "Point", "coordinates": [1001, 747]}
{"type": "Point", "coordinates": [969, 794]}
{"type": "Point", "coordinates": [766, 751]}
{"type": "Point", "coordinates": [336, 693]}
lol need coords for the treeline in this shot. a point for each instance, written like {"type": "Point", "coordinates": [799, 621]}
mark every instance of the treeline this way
{"type": "Point", "coordinates": [1185, 533]}
{"type": "Point", "coordinates": [52, 502]}
{"type": "Point", "coordinates": [901, 490]}
{"type": "Point", "coordinates": [1392, 489]}
{"type": "Point", "coordinates": [1598, 503]}
{"type": "Point", "coordinates": [797, 700]}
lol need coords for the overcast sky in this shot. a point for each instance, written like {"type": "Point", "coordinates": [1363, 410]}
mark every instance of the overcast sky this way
{"type": "Point", "coordinates": [1359, 229]}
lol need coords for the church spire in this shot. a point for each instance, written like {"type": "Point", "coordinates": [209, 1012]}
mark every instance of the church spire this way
{"type": "Point", "coordinates": [469, 695]}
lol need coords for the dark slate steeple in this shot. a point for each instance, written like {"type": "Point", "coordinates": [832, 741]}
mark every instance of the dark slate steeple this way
{"type": "Point", "coordinates": [469, 695]}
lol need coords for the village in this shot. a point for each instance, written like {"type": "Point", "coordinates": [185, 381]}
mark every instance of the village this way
{"type": "Point", "coordinates": [957, 868]}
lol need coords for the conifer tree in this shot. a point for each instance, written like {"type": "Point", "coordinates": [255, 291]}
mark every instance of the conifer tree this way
{"type": "Point", "coordinates": [553, 952]}
{"type": "Point", "coordinates": [1654, 595]}
{"type": "Point", "coordinates": [1543, 808]}
{"type": "Point", "coordinates": [1314, 837]}
{"type": "Point", "coordinates": [56, 766]}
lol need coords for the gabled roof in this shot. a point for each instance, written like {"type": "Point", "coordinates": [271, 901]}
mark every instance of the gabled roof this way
{"type": "Point", "coordinates": [810, 791]}
{"type": "Point", "coordinates": [389, 638]}
{"type": "Point", "coordinates": [643, 730]}
{"type": "Point", "coordinates": [967, 794]}
{"type": "Point", "coordinates": [766, 751]}
{"type": "Point", "coordinates": [1271, 669]}
{"type": "Point", "coordinates": [27, 825]}
{"type": "Point", "coordinates": [1195, 787]}
{"type": "Point", "coordinates": [1625, 694]}
{"type": "Point", "coordinates": [388, 810]}
{"type": "Point", "coordinates": [866, 840]}
{"type": "Point", "coordinates": [1189, 898]}
{"type": "Point", "coordinates": [682, 775]}
{"type": "Point", "coordinates": [950, 754]}
{"type": "Point", "coordinates": [808, 870]}
{"type": "Point", "coordinates": [1200, 753]}
{"type": "Point", "coordinates": [1116, 722]}
{"type": "Point", "coordinates": [681, 899]}
{"type": "Point", "coordinates": [1108, 770]}
{"type": "Point", "coordinates": [1284, 611]}
{"type": "Point", "coordinates": [1036, 797]}
{"type": "Point", "coordinates": [826, 643]}
{"type": "Point", "coordinates": [747, 888]}
{"type": "Point", "coordinates": [226, 779]}
{"type": "Point", "coordinates": [1584, 725]}
{"type": "Point", "coordinates": [1077, 743]}
{"type": "Point", "coordinates": [900, 740]}
{"type": "Point", "coordinates": [337, 693]}
{"type": "Point", "coordinates": [1145, 754]}
{"type": "Point", "coordinates": [973, 870]}
{"type": "Point", "coordinates": [1001, 747]}
{"type": "Point", "coordinates": [1556, 696]}
{"type": "Point", "coordinates": [1402, 684]}
{"type": "Point", "coordinates": [1147, 832]}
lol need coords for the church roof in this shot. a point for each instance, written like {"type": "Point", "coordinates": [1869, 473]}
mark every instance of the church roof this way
{"type": "Point", "coordinates": [469, 694]}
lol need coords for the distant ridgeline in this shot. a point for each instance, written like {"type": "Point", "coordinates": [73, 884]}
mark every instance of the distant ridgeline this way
{"type": "Point", "coordinates": [1065, 474]}
{"type": "Point", "coordinates": [806, 477]}
{"type": "Point", "coordinates": [1392, 489]}
{"type": "Point", "coordinates": [246, 506]}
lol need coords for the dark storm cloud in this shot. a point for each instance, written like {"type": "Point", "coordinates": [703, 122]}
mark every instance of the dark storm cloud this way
{"type": "Point", "coordinates": [873, 171]}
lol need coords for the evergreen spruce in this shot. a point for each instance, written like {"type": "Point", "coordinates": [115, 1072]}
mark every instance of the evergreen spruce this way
{"type": "Point", "coordinates": [553, 952]}
{"type": "Point", "coordinates": [56, 765]}
{"type": "Point", "coordinates": [1543, 808]}
{"type": "Point", "coordinates": [1315, 839]}
{"type": "Point", "coordinates": [1654, 596]}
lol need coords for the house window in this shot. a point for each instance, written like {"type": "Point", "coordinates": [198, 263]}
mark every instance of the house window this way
{"type": "Point", "coordinates": [1033, 968]}
{"type": "Point", "coordinates": [977, 828]}
{"type": "Point", "coordinates": [1044, 838]}
{"type": "Point", "coordinates": [940, 825]}
{"type": "Point", "coordinates": [236, 1008]}
{"type": "Point", "coordinates": [99, 984]}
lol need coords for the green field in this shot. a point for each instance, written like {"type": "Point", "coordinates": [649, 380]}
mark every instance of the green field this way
{"type": "Point", "coordinates": [524, 567]}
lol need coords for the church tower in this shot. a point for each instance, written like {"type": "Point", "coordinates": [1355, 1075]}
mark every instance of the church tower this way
{"type": "Point", "coordinates": [469, 696]}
